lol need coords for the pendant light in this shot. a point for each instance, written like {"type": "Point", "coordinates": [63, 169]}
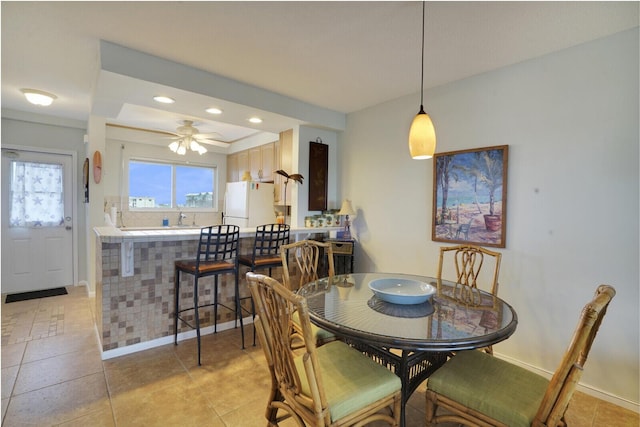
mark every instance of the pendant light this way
{"type": "Point", "coordinates": [422, 135]}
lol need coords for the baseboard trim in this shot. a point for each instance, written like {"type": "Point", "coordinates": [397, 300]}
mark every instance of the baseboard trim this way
{"type": "Point", "coordinates": [584, 388]}
{"type": "Point", "coordinates": [90, 293]}
{"type": "Point", "coordinates": [146, 345]}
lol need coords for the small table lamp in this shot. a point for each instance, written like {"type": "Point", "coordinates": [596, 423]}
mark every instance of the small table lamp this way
{"type": "Point", "coordinates": [346, 210]}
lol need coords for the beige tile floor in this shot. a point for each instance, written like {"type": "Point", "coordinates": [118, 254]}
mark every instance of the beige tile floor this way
{"type": "Point", "coordinates": [52, 374]}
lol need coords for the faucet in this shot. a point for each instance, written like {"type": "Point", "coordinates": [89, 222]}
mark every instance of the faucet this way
{"type": "Point", "coordinates": [181, 216]}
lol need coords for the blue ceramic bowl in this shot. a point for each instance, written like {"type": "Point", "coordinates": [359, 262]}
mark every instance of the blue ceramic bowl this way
{"type": "Point", "coordinates": [401, 291]}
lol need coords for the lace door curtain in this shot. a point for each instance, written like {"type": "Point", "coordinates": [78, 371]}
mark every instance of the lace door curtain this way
{"type": "Point", "coordinates": [36, 198]}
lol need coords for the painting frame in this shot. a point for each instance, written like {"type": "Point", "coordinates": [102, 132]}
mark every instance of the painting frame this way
{"type": "Point", "coordinates": [470, 196]}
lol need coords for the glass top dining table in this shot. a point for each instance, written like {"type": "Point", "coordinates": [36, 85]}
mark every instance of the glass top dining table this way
{"type": "Point", "coordinates": [413, 340]}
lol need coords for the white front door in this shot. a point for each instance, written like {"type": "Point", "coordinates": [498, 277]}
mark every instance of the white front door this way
{"type": "Point", "coordinates": [37, 235]}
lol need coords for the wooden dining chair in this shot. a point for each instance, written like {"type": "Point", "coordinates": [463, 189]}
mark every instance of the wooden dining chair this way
{"type": "Point", "coordinates": [330, 385]}
{"type": "Point", "coordinates": [468, 261]}
{"type": "Point", "coordinates": [307, 255]}
{"type": "Point", "coordinates": [477, 389]}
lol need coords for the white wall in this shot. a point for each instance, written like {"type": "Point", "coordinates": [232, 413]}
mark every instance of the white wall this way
{"type": "Point", "coordinates": [571, 122]}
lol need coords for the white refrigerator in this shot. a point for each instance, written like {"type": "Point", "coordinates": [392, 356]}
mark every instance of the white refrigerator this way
{"type": "Point", "coordinates": [249, 204]}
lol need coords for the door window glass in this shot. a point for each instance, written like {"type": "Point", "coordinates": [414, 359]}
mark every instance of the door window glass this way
{"type": "Point", "coordinates": [36, 198]}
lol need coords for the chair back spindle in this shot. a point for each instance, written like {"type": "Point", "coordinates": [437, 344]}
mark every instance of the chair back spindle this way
{"type": "Point", "coordinates": [307, 255]}
{"type": "Point", "coordinates": [468, 263]}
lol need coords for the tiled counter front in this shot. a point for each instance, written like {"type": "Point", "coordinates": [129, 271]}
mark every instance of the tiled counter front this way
{"type": "Point", "coordinates": [139, 308]}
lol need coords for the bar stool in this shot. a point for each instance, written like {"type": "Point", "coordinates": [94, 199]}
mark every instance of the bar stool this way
{"type": "Point", "coordinates": [217, 254]}
{"type": "Point", "coordinates": [265, 254]}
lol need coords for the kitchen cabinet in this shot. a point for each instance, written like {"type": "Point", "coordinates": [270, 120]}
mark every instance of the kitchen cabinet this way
{"type": "Point", "coordinates": [267, 152]}
{"type": "Point", "coordinates": [233, 174]}
{"type": "Point", "coordinates": [243, 163]}
{"type": "Point", "coordinates": [283, 156]}
{"type": "Point", "coordinates": [261, 160]}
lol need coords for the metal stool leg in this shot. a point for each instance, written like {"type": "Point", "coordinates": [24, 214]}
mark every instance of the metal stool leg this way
{"type": "Point", "coordinates": [177, 306]}
{"type": "Point", "coordinates": [215, 304]}
{"type": "Point", "coordinates": [197, 313]}
{"type": "Point", "coordinates": [239, 310]}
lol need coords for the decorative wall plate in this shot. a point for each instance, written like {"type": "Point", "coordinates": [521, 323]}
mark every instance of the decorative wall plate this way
{"type": "Point", "coordinates": [97, 167]}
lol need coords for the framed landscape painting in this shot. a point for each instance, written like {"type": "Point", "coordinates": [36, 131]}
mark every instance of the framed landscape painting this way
{"type": "Point", "coordinates": [470, 196]}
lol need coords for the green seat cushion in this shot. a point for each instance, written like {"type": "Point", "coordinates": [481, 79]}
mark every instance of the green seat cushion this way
{"type": "Point", "coordinates": [496, 388]}
{"type": "Point", "coordinates": [351, 380]}
{"type": "Point", "coordinates": [319, 333]}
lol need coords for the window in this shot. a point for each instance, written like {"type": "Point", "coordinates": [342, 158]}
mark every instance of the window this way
{"type": "Point", "coordinates": [37, 198]}
{"type": "Point", "coordinates": [164, 186]}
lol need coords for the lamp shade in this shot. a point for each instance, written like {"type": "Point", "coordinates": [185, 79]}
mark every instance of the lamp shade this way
{"type": "Point", "coordinates": [422, 136]}
{"type": "Point", "coordinates": [346, 208]}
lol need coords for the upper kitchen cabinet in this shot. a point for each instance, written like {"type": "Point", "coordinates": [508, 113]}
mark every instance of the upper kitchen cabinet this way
{"type": "Point", "coordinates": [258, 161]}
{"type": "Point", "coordinates": [243, 163]}
{"type": "Point", "coordinates": [233, 173]}
{"type": "Point", "coordinates": [283, 156]}
{"type": "Point", "coordinates": [237, 164]}
{"type": "Point", "coordinates": [261, 162]}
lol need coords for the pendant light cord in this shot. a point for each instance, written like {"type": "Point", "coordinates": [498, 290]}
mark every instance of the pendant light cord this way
{"type": "Point", "coordinates": [422, 60]}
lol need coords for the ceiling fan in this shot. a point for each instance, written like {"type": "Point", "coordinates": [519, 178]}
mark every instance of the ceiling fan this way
{"type": "Point", "coordinates": [189, 137]}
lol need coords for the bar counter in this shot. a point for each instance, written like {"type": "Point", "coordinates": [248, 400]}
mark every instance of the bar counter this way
{"type": "Point", "coordinates": [135, 285]}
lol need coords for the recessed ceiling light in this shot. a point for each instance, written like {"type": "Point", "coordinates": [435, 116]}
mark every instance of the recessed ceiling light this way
{"type": "Point", "coordinates": [213, 111]}
{"type": "Point", "coordinates": [255, 120]}
{"type": "Point", "coordinates": [164, 99]}
{"type": "Point", "coordinates": [38, 97]}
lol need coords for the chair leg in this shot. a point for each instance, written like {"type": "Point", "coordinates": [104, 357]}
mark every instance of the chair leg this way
{"type": "Point", "coordinates": [239, 309]}
{"type": "Point", "coordinates": [430, 411]}
{"type": "Point", "coordinates": [197, 314]}
{"type": "Point", "coordinates": [177, 306]}
{"type": "Point", "coordinates": [215, 304]}
{"type": "Point", "coordinates": [253, 314]}
{"type": "Point", "coordinates": [237, 296]}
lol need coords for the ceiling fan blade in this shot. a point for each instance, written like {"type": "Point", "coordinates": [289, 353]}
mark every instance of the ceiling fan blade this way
{"type": "Point", "coordinates": [213, 142]}
{"type": "Point", "coordinates": [164, 134]}
{"type": "Point", "coordinates": [208, 135]}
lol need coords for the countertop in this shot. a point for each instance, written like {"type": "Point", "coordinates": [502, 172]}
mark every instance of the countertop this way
{"type": "Point", "coordinates": [145, 234]}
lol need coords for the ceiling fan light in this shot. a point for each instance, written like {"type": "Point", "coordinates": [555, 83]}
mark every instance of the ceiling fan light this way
{"type": "Point", "coordinates": [193, 145]}
{"type": "Point", "coordinates": [174, 146]}
{"type": "Point", "coordinates": [422, 137]}
{"type": "Point", "coordinates": [38, 97]}
{"type": "Point", "coordinates": [202, 150]}
{"type": "Point", "coordinates": [182, 150]}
